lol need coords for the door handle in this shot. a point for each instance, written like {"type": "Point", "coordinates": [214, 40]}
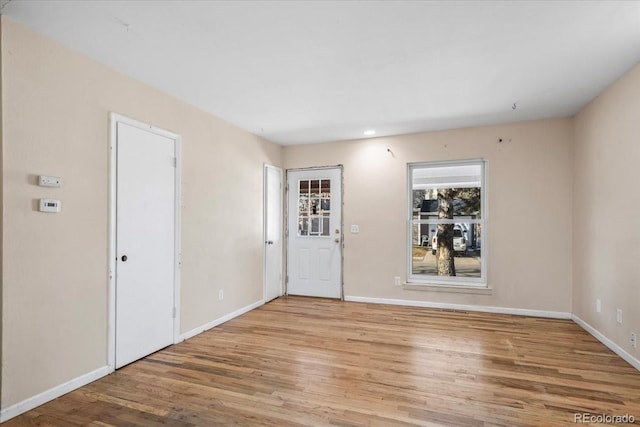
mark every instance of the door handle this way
{"type": "Point", "coordinates": [124, 258]}
{"type": "Point", "coordinates": [269, 242]}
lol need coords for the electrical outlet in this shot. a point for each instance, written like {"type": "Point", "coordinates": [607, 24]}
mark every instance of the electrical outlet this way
{"type": "Point", "coordinates": [634, 340]}
{"type": "Point", "coordinates": [619, 316]}
{"type": "Point", "coordinates": [221, 294]}
{"type": "Point", "coordinates": [396, 281]}
{"type": "Point", "coordinates": [598, 306]}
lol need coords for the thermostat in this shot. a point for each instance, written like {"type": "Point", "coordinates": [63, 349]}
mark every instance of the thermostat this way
{"type": "Point", "coordinates": [50, 205]}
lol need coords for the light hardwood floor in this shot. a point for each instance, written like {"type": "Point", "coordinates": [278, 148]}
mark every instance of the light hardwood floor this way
{"type": "Point", "coordinates": [305, 361]}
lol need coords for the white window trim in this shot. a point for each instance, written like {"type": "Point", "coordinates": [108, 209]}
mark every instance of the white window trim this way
{"type": "Point", "coordinates": [421, 281]}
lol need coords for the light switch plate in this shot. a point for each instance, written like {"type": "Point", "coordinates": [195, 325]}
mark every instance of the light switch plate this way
{"type": "Point", "coordinates": [355, 228]}
{"type": "Point", "coordinates": [49, 181]}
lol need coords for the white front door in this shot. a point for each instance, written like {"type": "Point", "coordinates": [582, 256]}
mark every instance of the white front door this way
{"type": "Point", "coordinates": [314, 255]}
{"type": "Point", "coordinates": [145, 242]}
{"type": "Point", "coordinates": [272, 232]}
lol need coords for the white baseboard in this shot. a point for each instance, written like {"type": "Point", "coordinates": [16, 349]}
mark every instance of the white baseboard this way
{"type": "Point", "coordinates": [52, 393]}
{"type": "Point", "coordinates": [219, 321]}
{"type": "Point", "coordinates": [463, 307]}
{"type": "Point", "coordinates": [606, 341]}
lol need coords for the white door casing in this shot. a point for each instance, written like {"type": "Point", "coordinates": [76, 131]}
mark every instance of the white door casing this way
{"type": "Point", "coordinates": [272, 232]}
{"type": "Point", "coordinates": [145, 241]}
{"type": "Point", "coordinates": [314, 242]}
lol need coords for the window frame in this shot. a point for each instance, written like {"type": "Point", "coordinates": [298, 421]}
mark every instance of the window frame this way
{"type": "Point", "coordinates": [320, 216]}
{"type": "Point", "coordinates": [419, 280]}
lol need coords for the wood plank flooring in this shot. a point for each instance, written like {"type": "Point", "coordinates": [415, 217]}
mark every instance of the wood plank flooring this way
{"type": "Point", "coordinates": [315, 362]}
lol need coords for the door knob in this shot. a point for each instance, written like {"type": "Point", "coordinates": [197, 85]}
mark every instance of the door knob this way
{"type": "Point", "coordinates": [124, 258]}
{"type": "Point", "coordinates": [337, 240]}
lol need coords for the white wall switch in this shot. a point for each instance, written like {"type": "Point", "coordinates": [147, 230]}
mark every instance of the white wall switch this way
{"type": "Point", "coordinates": [50, 205]}
{"type": "Point", "coordinates": [598, 306]}
{"type": "Point", "coordinates": [355, 228]}
{"type": "Point", "coordinates": [49, 181]}
{"type": "Point", "coordinates": [396, 280]}
{"type": "Point", "coordinates": [619, 316]}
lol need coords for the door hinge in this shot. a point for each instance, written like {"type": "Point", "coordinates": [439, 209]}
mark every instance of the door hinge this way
{"type": "Point", "coordinates": [286, 279]}
{"type": "Point", "coordinates": [174, 312]}
{"type": "Point", "coordinates": [175, 162]}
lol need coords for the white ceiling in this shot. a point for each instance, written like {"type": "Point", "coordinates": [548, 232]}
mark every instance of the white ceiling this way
{"type": "Point", "coordinates": [314, 71]}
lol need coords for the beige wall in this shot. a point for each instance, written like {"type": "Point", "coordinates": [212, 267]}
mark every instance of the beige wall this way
{"type": "Point", "coordinates": [529, 209]}
{"type": "Point", "coordinates": [606, 238]}
{"type": "Point", "coordinates": [56, 111]}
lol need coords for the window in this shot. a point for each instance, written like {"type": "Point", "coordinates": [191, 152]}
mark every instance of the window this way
{"type": "Point", "coordinates": [314, 207]}
{"type": "Point", "coordinates": [447, 223]}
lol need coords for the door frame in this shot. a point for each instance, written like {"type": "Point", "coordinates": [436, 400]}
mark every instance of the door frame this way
{"type": "Point", "coordinates": [286, 222]}
{"type": "Point", "coordinates": [264, 229]}
{"type": "Point", "coordinates": [114, 119]}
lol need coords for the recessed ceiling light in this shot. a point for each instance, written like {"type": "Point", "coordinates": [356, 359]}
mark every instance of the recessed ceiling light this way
{"type": "Point", "coordinates": [369, 132]}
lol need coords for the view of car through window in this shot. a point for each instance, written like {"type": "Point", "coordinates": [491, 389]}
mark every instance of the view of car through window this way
{"type": "Point", "coordinates": [459, 241]}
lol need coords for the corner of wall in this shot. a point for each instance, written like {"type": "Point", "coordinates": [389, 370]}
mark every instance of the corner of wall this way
{"type": "Point", "coordinates": [572, 152]}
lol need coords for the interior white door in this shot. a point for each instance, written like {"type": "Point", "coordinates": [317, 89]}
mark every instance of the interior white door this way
{"type": "Point", "coordinates": [145, 242]}
{"type": "Point", "coordinates": [272, 232]}
{"type": "Point", "coordinates": [314, 255]}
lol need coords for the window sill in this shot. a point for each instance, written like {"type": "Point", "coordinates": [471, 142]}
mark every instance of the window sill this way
{"type": "Point", "coordinates": [456, 289]}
